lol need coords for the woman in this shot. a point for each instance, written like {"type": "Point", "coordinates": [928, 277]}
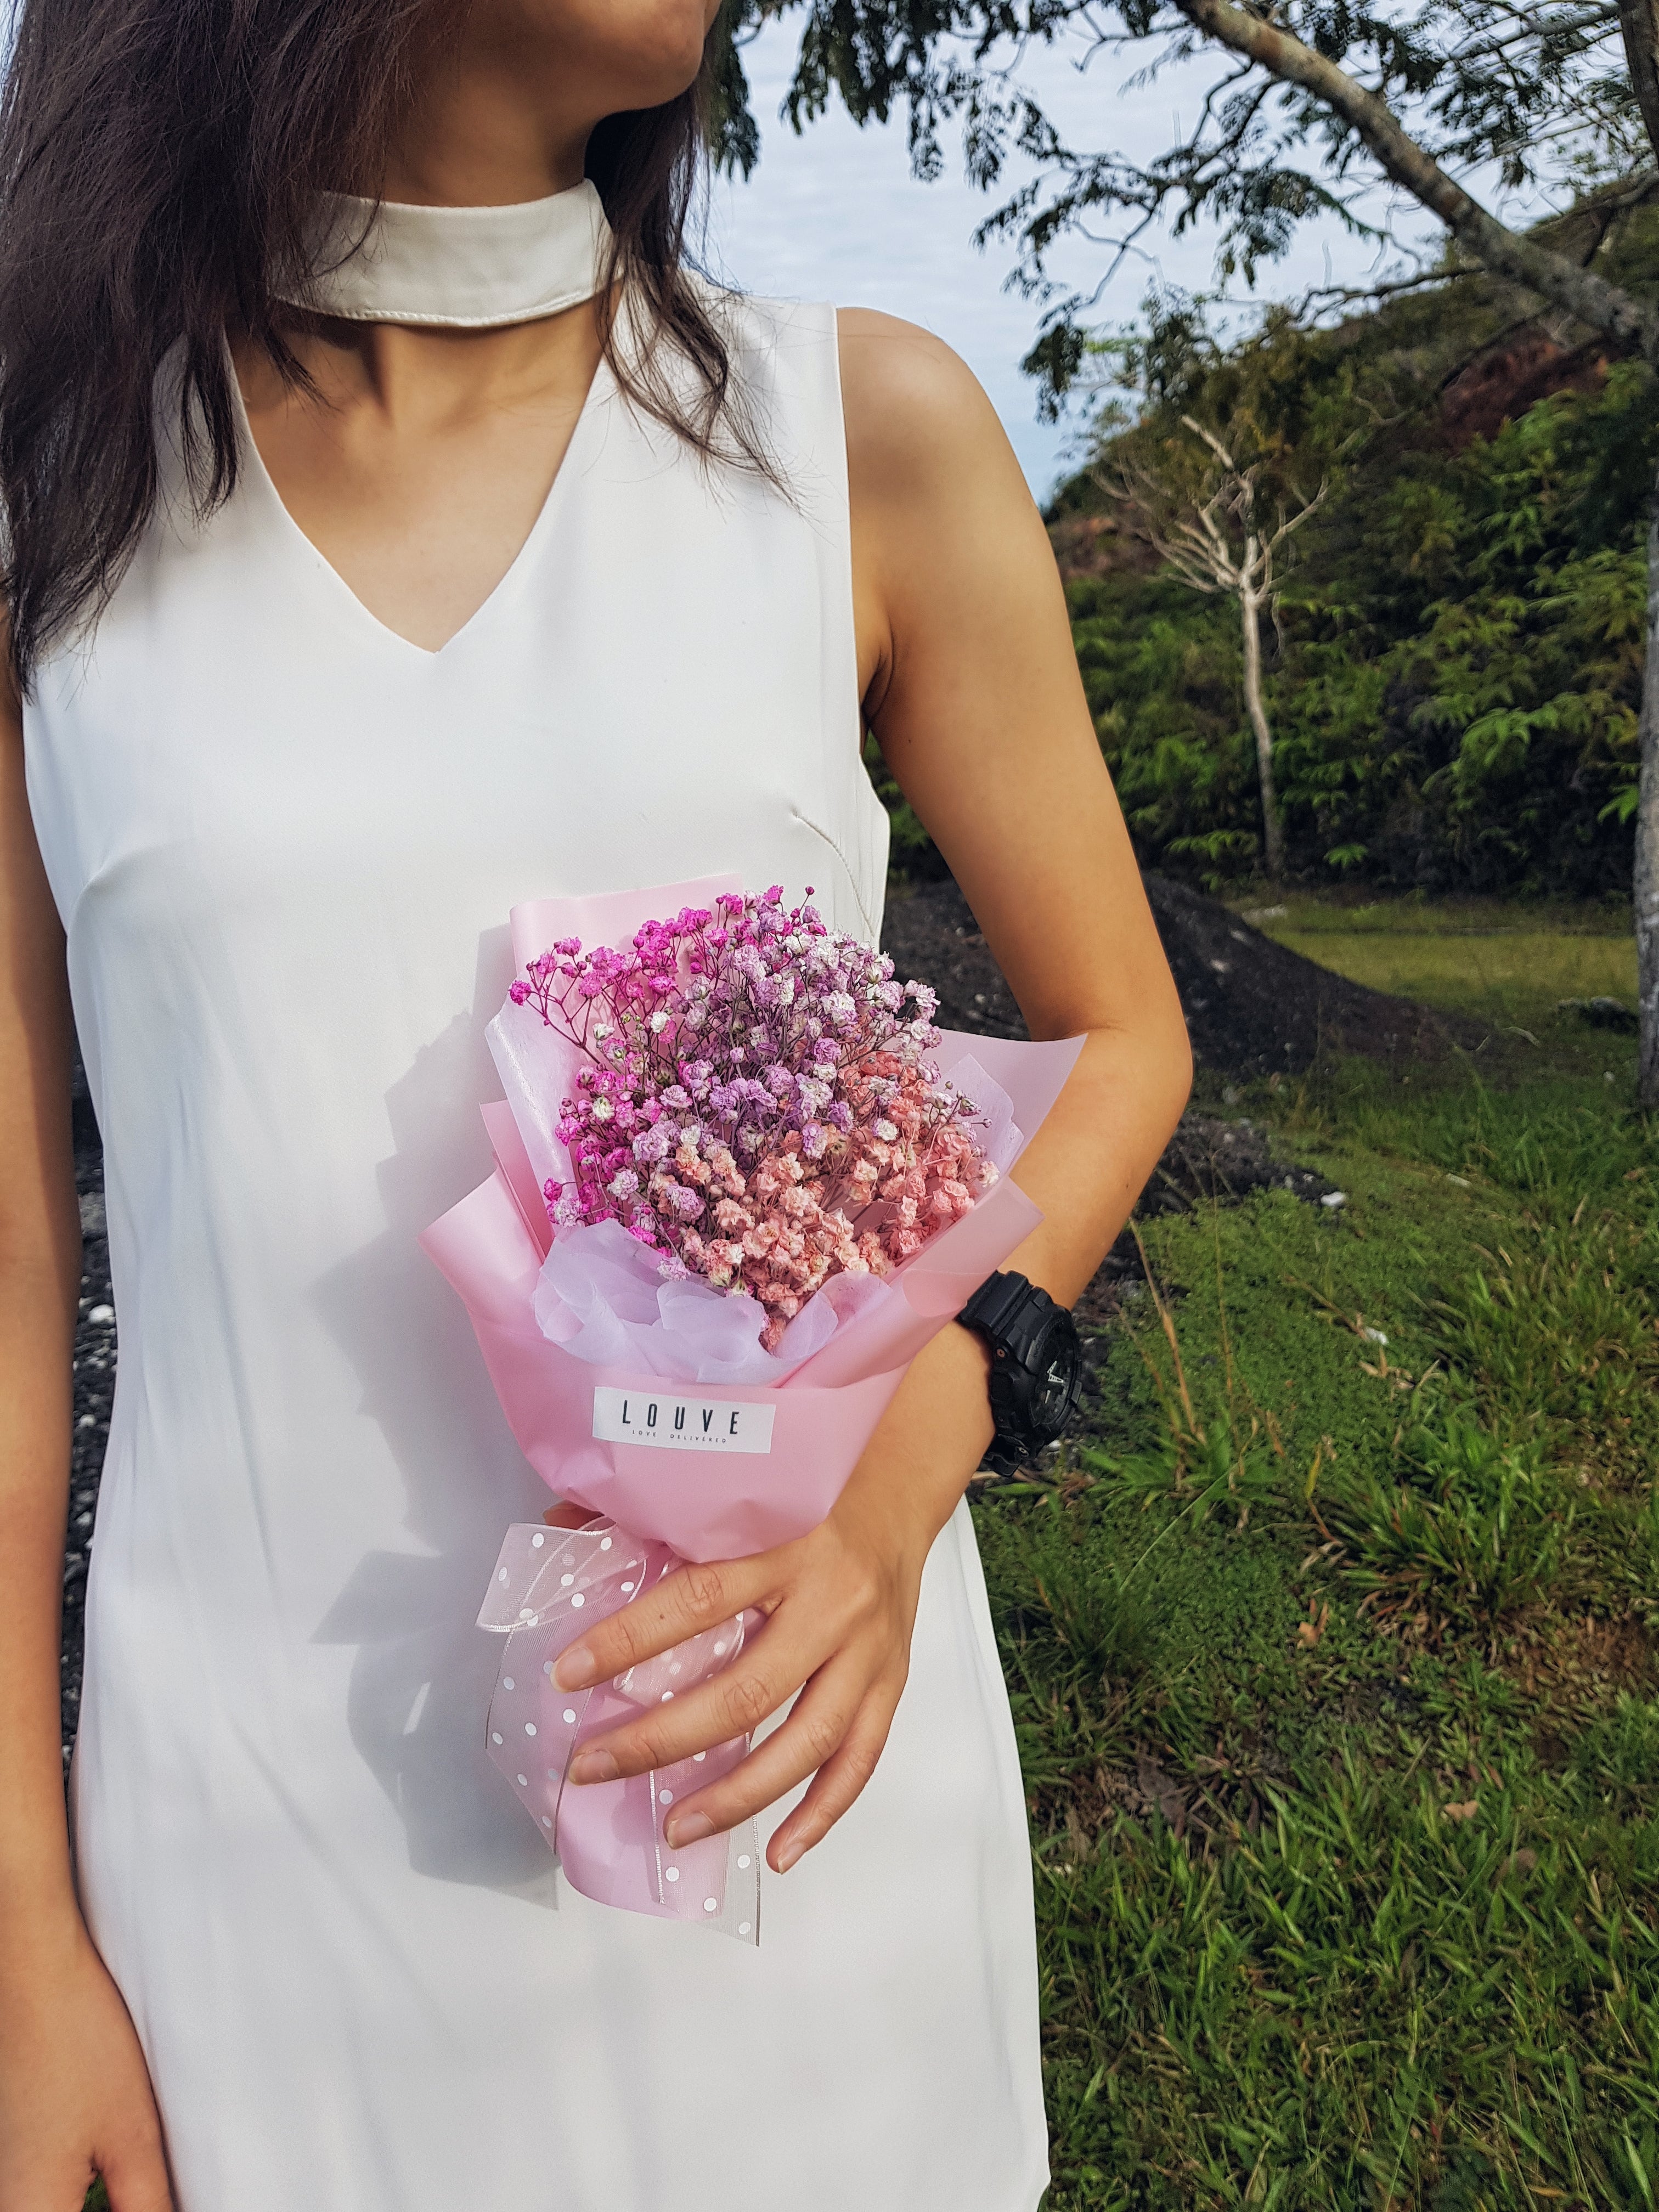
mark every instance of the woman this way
{"type": "Point", "coordinates": [493, 555]}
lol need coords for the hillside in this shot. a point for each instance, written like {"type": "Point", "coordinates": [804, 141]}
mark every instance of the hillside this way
{"type": "Point", "coordinates": [1453, 662]}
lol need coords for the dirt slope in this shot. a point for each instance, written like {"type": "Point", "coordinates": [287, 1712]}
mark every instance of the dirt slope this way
{"type": "Point", "coordinates": [1253, 1007]}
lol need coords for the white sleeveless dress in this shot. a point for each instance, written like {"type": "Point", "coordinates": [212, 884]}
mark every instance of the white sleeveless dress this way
{"type": "Point", "coordinates": [284, 842]}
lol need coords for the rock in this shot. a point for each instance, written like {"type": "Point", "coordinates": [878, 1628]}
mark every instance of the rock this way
{"type": "Point", "coordinates": [1601, 1013]}
{"type": "Point", "coordinates": [1256, 1008]}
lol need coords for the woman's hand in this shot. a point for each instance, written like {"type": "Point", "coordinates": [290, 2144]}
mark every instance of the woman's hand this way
{"type": "Point", "coordinates": [839, 1605]}
{"type": "Point", "coordinates": [74, 2094]}
{"type": "Point", "coordinates": [839, 1609]}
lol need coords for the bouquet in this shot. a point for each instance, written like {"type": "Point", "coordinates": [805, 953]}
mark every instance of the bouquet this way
{"type": "Point", "coordinates": [741, 1180]}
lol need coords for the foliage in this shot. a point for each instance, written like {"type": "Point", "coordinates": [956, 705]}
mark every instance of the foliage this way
{"type": "Point", "coordinates": [1452, 674]}
{"type": "Point", "coordinates": [1463, 1522]}
{"type": "Point", "coordinates": [1340, 1725]}
{"type": "Point", "coordinates": [1542, 95]}
{"type": "Point", "coordinates": [1457, 662]}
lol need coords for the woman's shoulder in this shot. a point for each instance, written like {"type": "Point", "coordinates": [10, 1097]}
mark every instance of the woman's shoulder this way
{"type": "Point", "coordinates": [918, 424]}
{"type": "Point", "coordinates": [893, 374]}
{"type": "Point", "coordinates": [920, 432]}
{"type": "Point", "coordinates": [895, 368]}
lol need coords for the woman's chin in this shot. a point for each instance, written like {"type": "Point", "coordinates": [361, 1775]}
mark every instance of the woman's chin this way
{"type": "Point", "coordinates": [632, 54]}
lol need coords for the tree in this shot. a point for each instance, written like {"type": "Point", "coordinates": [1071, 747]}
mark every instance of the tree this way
{"type": "Point", "coordinates": [1219, 520]}
{"type": "Point", "coordinates": [1417, 95]}
{"type": "Point", "coordinates": [1210, 533]}
{"type": "Point", "coordinates": [1217, 469]}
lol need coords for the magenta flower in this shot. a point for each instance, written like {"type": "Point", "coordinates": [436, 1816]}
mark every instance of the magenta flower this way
{"type": "Point", "coordinates": [806, 1133]}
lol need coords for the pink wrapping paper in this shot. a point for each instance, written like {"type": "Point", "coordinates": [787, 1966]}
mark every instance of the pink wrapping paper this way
{"type": "Point", "coordinates": [675, 1469]}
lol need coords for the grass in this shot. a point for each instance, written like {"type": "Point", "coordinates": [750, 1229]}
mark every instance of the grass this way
{"type": "Point", "coordinates": [1337, 913]}
{"type": "Point", "coordinates": [1509, 963]}
{"type": "Point", "coordinates": [1334, 1653]}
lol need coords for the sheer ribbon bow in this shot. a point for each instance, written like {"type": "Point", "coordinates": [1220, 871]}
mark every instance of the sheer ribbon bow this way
{"type": "Point", "coordinates": [551, 1585]}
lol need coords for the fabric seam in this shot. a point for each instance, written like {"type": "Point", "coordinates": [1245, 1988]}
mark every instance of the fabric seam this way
{"type": "Point", "coordinates": [848, 869]}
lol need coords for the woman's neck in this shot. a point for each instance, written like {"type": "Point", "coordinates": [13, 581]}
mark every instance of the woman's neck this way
{"type": "Point", "coordinates": [509, 91]}
{"type": "Point", "coordinates": [485, 131]}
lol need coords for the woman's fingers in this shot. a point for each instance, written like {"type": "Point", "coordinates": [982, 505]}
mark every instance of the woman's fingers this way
{"type": "Point", "coordinates": [811, 1736]}
{"type": "Point", "coordinates": [838, 1782]}
{"type": "Point", "coordinates": [766, 1673]}
{"type": "Point", "coordinates": [832, 1625]}
{"type": "Point", "coordinates": [693, 1598]}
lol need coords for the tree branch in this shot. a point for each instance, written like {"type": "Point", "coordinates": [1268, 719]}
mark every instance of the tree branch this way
{"type": "Point", "coordinates": [1203, 566]}
{"type": "Point", "coordinates": [1192, 423]}
{"type": "Point", "coordinates": [1587, 296]}
{"type": "Point", "coordinates": [1288, 529]}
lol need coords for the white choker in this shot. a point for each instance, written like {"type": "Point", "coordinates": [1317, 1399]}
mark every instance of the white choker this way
{"type": "Point", "coordinates": [458, 268]}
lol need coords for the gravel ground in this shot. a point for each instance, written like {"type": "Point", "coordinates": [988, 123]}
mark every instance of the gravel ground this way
{"type": "Point", "coordinates": [94, 1388]}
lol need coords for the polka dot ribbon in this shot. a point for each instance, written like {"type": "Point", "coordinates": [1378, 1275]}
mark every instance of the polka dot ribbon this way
{"type": "Point", "coordinates": [549, 1586]}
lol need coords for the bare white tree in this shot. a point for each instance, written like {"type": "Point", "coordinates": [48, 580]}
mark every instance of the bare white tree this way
{"type": "Point", "coordinates": [1214, 539]}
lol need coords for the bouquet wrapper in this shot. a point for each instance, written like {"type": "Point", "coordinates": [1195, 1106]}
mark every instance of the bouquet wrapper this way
{"type": "Point", "coordinates": [672, 1467]}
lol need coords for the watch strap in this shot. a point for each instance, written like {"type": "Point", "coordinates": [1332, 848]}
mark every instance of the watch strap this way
{"type": "Point", "coordinates": [995, 1311]}
{"type": "Point", "coordinates": [994, 1304]}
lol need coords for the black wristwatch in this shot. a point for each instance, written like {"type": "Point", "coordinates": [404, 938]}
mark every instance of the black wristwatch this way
{"type": "Point", "coordinates": [1037, 1366]}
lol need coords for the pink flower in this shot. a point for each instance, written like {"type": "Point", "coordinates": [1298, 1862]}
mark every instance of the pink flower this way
{"type": "Point", "coordinates": [760, 1191]}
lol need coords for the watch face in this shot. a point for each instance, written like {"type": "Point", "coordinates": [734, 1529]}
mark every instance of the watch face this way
{"type": "Point", "coordinates": [1055, 1360]}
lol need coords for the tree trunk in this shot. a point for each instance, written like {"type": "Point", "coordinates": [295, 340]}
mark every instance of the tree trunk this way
{"type": "Point", "coordinates": [1645, 886]}
{"type": "Point", "coordinates": [1273, 834]}
{"type": "Point", "coordinates": [1638, 20]}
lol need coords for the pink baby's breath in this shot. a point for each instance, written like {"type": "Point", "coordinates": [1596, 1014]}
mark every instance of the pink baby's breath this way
{"type": "Point", "coordinates": [758, 1106]}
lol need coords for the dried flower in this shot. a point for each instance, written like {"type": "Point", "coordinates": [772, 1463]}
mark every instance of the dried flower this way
{"type": "Point", "coordinates": [810, 1067]}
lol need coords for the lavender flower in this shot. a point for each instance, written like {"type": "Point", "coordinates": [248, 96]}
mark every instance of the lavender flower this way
{"type": "Point", "coordinates": [758, 1106]}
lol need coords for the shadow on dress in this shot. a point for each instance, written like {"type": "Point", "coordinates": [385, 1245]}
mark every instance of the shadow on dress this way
{"type": "Point", "coordinates": [422, 1681]}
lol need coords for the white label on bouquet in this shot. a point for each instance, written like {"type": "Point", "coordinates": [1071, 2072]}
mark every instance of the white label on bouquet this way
{"type": "Point", "coordinates": [710, 1425]}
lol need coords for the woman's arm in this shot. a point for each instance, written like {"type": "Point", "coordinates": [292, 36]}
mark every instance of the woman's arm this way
{"type": "Point", "coordinates": [75, 2098]}
{"type": "Point", "coordinates": [972, 685]}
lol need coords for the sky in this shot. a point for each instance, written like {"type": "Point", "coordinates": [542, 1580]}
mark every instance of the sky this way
{"type": "Point", "coordinates": [836, 214]}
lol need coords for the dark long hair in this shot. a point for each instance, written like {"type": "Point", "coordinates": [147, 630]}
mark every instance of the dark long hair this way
{"type": "Point", "coordinates": [160, 162]}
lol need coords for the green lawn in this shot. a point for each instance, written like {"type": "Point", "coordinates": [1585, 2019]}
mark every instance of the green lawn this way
{"type": "Point", "coordinates": [1335, 1661]}
{"type": "Point", "coordinates": [1492, 958]}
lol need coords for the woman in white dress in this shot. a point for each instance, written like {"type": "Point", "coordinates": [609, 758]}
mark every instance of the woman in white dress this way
{"type": "Point", "coordinates": [370, 572]}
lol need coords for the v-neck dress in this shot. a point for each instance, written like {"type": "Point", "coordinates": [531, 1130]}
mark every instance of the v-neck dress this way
{"type": "Point", "coordinates": [283, 841]}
